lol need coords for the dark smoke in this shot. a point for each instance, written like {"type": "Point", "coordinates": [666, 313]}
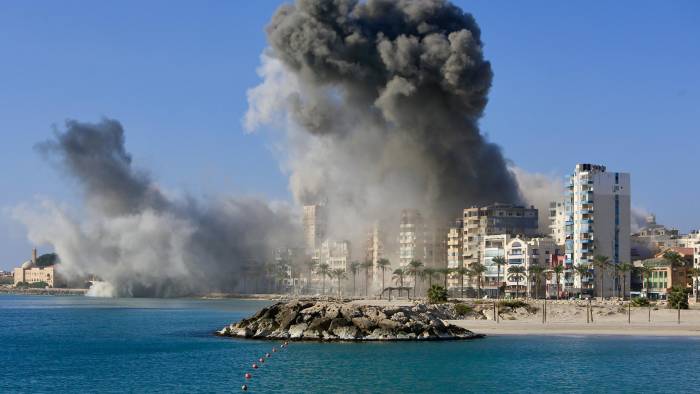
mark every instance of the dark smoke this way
{"type": "Point", "coordinates": [405, 80]}
{"type": "Point", "coordinates": [138, 239]}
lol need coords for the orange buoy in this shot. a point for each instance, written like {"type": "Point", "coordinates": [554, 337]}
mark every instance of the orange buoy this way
{"type": "Point", "coordinates": [244, 387]}
{"type": "Point", "coordinates": [255, 366]}
{"type": "Point", "coordinates": [248, 375]}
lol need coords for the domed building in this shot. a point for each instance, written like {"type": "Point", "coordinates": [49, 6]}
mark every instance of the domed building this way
{"type": "Point", "coordinates": [31, 272]}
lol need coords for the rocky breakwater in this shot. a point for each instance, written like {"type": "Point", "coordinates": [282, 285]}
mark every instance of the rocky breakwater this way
{"type": "Point", "coordinates": [338, 321]}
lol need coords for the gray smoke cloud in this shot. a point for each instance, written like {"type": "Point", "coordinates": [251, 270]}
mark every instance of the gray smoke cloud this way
{"type": "Point", "coordinates": [135, 237]}
{"type": "Point", "coordinates": [381, 102]}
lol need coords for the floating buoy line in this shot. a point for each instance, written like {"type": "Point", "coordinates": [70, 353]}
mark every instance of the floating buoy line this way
{"type": "Point", "coordinates": [248, 376]}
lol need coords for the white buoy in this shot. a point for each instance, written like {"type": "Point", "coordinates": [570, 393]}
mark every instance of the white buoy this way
{"type": "Point", "coordinates": [244, 387]}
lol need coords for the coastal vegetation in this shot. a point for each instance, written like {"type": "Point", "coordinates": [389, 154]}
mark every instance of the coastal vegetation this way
{"type": "Point", "coordinates": [437, 294]}
{"type": "Point", "coordinates": [678, 298]}
{"type": "Point", "coordinates": [33, 285]}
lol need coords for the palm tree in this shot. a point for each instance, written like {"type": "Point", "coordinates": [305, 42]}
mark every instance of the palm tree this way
{"type": "Point", "coordinates": [516, 273]}
{"type": "Point", "coordinates": [645, 272]}
{"type": "Point", "coordinates": [310, 266]}
{"type": "Point", "coordinates": [536, 272]}
{"type": "Point", "coordinates": [354, 269]}
{"type": "Point", "coordinates": [324, 270]}
{"type": "Point", "coordinates": [693, 274]}
{"type": "Point", "coordinates": [601, 263]}
{"type": "Point", "coordinates": [366, 266]}
{"type": "Point", "coordinates": [558, 270]}
{"type": "Point", "coordinates": [582, 271]}
{"type": "Point", "coordinates": [399, 274]}
{"type": "Point", "coordinates": [339, 274]}
{"type": "Point", "coordinates": [478, 270]}
{"type": "Point", "coordinates": [383, 264]}
{"type": "Point", "coordinates": [624, 268]}
{"type": "Point", "coordinates": [499, 261]}
{"type": "Point", "coordinates": [414, 269]}
{"type": "Point", "coordinates": [470, 277]}
{"type": "Point", "coordinates": [674, 258]}
{"type": "Point", "coordinates": [461, 271]}
{"type": "Point", "coordinates": [444, 272]}
{"type": "Point", "coordinates": [429, 273]}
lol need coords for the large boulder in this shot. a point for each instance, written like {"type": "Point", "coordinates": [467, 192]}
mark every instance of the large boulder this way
{"type": "Point", "coordinates": [296, 331]}
{"type": "Point", "coordinates": [345, 333]}
{"type": "Point", "coordinates": [364, 323]}
{"type": "Point", "coordinates": [319, 324]}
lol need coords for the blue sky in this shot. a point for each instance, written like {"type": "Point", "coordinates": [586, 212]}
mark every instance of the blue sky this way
{"type": "Point", "coordinates": [579, 81]}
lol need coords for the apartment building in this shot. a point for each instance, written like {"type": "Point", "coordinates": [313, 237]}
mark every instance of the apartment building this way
{"type": "Point", "coordinates": [597, 206]}
{"type": "Point", "coordinates": [557, 219]}
{"type": "Point", "coordinates": [423, 240]}
{"type": "Point", "coordinates": [494, 219]}
{"type": "Point", "coordinates": [336, 254]}
{"type": "Point", "coordinates": [314, 223]}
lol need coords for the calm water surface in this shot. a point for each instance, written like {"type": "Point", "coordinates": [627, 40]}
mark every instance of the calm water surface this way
{"type": "Point", "coordinates": [81, 345]}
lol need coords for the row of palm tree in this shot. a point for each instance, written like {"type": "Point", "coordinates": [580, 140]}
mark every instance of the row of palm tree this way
{"type": "Point", "coordinates": [324, 271]}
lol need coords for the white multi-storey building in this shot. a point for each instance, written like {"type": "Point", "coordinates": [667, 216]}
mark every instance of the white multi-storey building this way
{"type": "Point", "coordinates": [494, 219]}
{"type": "Point", "coordinates": [315, 231]}
{"type": "Point", "coordinates": [528, 253]}
{"type": "Point", "coordinates": [689, 240]}
{"type": "Point", "coordinates": [454, 252]}
{"type": "Point", "coordinates": [557, 219]}
{"type": "Point", "coordinates": [336, 254]}
{"type": "Point", "coordinates": [597, 207]}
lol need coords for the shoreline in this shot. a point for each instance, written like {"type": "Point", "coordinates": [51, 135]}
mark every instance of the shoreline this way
{"type": "Point", "coordinates": [659, 329]}
{"type": "Point", "coordinates": [45, 292]}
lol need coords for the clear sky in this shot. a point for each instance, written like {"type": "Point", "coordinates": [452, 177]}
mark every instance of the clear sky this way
{"type": "Point", "coordinates": [615, 83]}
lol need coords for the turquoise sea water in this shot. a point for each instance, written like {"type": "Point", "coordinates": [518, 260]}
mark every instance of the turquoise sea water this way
{"type": "Point", "coordinates": [81, 345]}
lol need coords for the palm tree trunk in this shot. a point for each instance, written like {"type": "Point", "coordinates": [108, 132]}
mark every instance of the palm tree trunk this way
{"type": "Point", "coordinates": [383, 280]}
{"type": "Point", "coordinates": [366, 280]}
{"type": "Point", "coordinates": [624, 285]}
{"type": "Point", "coordinates": [498, 282]}
{"type": "Point", "coordinates": [461, 284]}
{"type": "Point", "coordinates": [415, 283]}
{"type": "Point", "coordinates": [354, 281]}
{"type": "Point", "coordinates": [323, 284]}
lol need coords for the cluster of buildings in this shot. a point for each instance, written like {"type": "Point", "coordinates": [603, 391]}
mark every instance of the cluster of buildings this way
{"type": "Point", "coordinates": [593, 218]}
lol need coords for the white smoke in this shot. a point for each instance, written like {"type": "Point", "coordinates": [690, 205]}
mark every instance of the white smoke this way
{"type": "Point", "coordinates": [100, 289]}
{"type": "Point", "coordinates": [539, 190]}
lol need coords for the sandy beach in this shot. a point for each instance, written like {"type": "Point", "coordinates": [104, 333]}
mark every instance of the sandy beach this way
{"type": "Point", "coordinates": [609, 318]}
{"type": "Point", "coordinates": [569, 318]}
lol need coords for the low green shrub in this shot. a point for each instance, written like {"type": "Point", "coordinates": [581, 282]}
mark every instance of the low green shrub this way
{"type": "Point", "coordinates": [437, 294]}
{"type": "Point", "coordinates": [513, 304]}
{"type": "Point", "coordinates": [678, 297]}
{"type": "Point", "coordinates": [639, 301]}
{"type": "Point", "coordinates": [463, 309]}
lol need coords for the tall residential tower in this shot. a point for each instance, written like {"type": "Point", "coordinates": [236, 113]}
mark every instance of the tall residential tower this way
{"type": "Point", "coordinates": [597, 209]}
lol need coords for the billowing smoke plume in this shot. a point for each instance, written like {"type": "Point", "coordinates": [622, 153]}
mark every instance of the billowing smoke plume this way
{"type": "Point", "coordinates": [383, 100]}
{"type": "Point", "coordinates": [136, 238]}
